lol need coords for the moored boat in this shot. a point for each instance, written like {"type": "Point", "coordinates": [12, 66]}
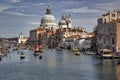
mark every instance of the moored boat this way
{"type": "Point", "coordinates": [106, 54]}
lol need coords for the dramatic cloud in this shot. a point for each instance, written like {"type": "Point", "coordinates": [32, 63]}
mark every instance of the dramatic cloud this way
{"type": "Point", "coordinates": [83, 10]}
{"type": "Point", "coordinates": [22, 15]}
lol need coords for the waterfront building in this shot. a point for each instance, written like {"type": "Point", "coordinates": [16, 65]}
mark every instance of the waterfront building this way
{"type": "Point", "coordinates": [22, 39]}
{"type": "Point", "coordinates": [68, 35]}
{"type": "Point", "coordinates": [108, 31]}
{"type": "Point", "coordinates": [52, 34]}
{"type": "Point", "coordinates": [84, 43]}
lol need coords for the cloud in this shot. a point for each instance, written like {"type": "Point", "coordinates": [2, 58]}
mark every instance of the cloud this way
{"type": "Point", "coordinates": [3, 8]}
{"type": "Point", "coordinates": [19, 14]}
{"type": "Point", "coordinates": [75, 3]}
{"type": "Point", "coordinates": [83, 10]}
{"type": "Point", "coordinates": [14, 1]}
{"type": "Point", "coordinates": [39, 4]}
{"type": "Point", "coordinates": [107, 6]}
{"type": "Point", "coordinates": [34, 23]}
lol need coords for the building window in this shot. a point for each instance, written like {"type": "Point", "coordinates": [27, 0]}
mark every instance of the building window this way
{"type": "Point", "coordinates": [104, 40]}
{"type": "Point", "coordinates": [113, 15]}
{"type": "Point", "coordinates": [105, 21]}
{"type": "Point", "coordinates": [113, 41]}
{"type": "Point", "coordinates": [113, 50]}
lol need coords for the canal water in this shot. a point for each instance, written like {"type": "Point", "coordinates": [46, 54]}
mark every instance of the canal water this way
{"type": "Point", "coordinates": [57, 65]}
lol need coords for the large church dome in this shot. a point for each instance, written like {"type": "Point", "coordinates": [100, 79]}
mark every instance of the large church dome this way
{"type": "Point", "coordinates": [48, 20]}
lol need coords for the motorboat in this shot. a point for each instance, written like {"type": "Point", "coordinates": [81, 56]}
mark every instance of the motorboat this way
{"type": "Point", "coordinates": [22, 55]}
{"type": "Point", "coordinates": [76, 52]}
{"type": "Point", "coordinates": [106, 53]}
{"type": "Point", "coordinates": [0, 56]}
{"type": "Point", "coordinates": [39, 49]}
{"type": "Point", "coordinates": [36, 53]}
{"type": "Point", "coordinates": [40, 56]}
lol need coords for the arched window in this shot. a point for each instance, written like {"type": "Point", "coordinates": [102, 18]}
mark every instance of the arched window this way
{"type": "Point", "coordinates": [113, 41]}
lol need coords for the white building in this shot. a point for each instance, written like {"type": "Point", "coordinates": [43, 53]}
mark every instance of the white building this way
{"type": "Point", "coordinates": [22, 39]}
{"type": "Point", "coordinates": [83, 43]}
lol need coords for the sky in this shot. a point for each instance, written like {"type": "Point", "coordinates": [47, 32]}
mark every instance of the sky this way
{"type": "Point", "coordinates": [18, 16]}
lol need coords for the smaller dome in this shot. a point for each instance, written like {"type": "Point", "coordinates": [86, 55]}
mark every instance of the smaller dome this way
{"type": "Point", "coordinates": [62, 22]}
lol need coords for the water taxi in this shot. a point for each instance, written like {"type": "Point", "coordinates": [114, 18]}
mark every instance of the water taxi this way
{"type": "Point", "coordinates": [106, 53]}
{"type": "Point", "coordinates": [76, 51]}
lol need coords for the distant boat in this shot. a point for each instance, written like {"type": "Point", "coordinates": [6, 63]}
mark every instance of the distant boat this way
{"type": "Point", "coordinates": [76, 51]}
{"type": "Point", "coordinates": [39, 49]}
{"type": "Point", "coordinates": [40, 56]}
{"type": "Point", "coordinates": [58, 49]}
{"type": "Point", "coordinates": [0, 56]}
{"type": "Point", "coordinates": [36, 53]}
{"type": "Point", "coordinates": [22, 55]}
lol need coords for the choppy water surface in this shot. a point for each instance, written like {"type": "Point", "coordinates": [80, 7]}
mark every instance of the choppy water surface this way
{"type": "Point", "coordinates": [57, 65]}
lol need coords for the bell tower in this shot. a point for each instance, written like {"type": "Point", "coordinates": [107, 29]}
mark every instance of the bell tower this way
{"type": "Point", "coordinates": [69, 21]}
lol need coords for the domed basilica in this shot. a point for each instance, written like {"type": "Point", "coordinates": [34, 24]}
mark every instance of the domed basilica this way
{"type": "Point", "coordinates": [52, 34]}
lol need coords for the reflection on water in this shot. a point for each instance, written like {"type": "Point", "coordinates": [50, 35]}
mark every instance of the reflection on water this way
{"type": "Point", "coordinates": [57, 65]}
